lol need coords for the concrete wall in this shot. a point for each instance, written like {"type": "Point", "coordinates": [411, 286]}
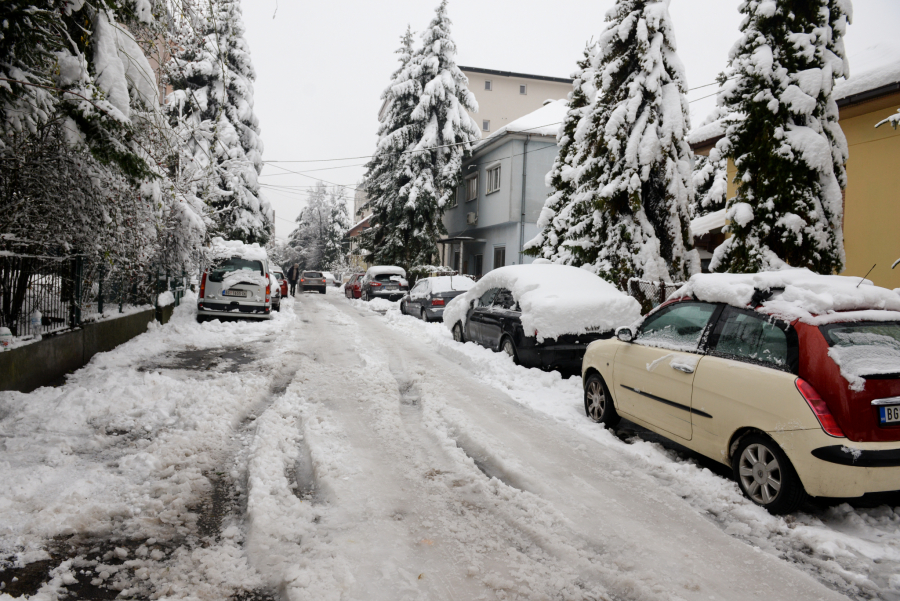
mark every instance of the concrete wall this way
{"type": "Point", "coordinates": [504, 104]}
{"type": "Point", "coordinates": [47, 362]}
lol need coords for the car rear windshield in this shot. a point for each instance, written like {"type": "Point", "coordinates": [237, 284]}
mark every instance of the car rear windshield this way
{"type": "Point", "coordinates": [866, 348]}
{"type": "Point", "coordinates": [312, 274]}
{"type": "Point", "coordinates": [387, 277]}
{"type": "Point", "coordinates": [280, 276]}
{"type": "Point", "coordinates": [221, 269]}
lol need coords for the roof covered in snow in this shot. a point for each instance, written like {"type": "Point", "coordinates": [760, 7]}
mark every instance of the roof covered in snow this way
{"type": "Point", "coordinates": [554, 300]}
{"type": "Point", "coordinates": [876, 67]}
{"type": "Point", "coordinates": [797, 294]}
{"type": "Point", "coordinates": [543, 122]}
{"type": "Point", "coordinates": [371, 272]}
{"type": "Point", "coordinates": [707, 223]}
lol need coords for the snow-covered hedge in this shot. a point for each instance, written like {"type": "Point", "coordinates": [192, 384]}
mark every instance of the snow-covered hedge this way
{"type": "Point", "coordinates": [554, 300]}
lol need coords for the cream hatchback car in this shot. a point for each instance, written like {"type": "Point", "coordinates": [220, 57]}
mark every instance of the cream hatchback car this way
{"type": "Point", "coordinates": [790, 378]}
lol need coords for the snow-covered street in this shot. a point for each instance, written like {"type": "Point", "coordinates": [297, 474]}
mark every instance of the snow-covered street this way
{"type": "Point", "coordinates": [344, 451]}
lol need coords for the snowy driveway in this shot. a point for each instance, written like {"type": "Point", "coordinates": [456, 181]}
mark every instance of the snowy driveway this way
{"type": "Point", "coordinates": [341, 453]}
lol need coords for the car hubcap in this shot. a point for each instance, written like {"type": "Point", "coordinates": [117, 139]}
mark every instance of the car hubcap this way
{"type": "Point", "coordinates": [508, 348]}
{"type": "Point", "coordinates": [760, 473]}
{"type": "Point", "coordinates": [596, 400]}
{"type": "Point", "coordinates": [457, 334]}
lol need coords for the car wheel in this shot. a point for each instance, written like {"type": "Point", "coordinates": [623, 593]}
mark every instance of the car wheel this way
{"type": "Point", "coordinates": [507, 346]}
{"type": "Point", "coordinates": [422, 315]}
{"type": "Point", "coordinates": [598, 405]}
{"type": "Point", "coordinates": [201, 319]}
{"type": "Point", "coordinates": [322, 291]}
{"type": "Point", "coordinates": [766, 475]}
{"type": "Point", "coordinates": [458, 333]}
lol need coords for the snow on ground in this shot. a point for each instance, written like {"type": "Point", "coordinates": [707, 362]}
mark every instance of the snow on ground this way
{"type": "Point", "coordinates": [344, 451]}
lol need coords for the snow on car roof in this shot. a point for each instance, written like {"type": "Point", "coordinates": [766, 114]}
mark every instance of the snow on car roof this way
{"type": "Point", "coordinates": [446, 283]}
{"type": "Point", "coordinates": [799, 294]}
{"type": "Point", "coordinates": [221, 248]}
{"type": "Point", "coordinates": [382, 269]}
{"type": "Point", "coordinates": [554, 299]}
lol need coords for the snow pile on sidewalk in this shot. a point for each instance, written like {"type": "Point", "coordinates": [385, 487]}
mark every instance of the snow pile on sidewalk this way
{"type": "Point", "coordinates": [554, 300]}
{"type": "Point", "coordinates": [797, 294]}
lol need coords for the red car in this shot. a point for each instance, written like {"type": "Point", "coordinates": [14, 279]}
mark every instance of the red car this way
{"type": "Point", "coordinates": [353, 287]}
{"type": "Point", "coordinates": [281, 280]}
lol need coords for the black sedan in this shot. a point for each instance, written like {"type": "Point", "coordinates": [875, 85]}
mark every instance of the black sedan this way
{"type": "Point", "coordinates": [429, 296]}
{"type": "Point", "coordinates": [494, 320]}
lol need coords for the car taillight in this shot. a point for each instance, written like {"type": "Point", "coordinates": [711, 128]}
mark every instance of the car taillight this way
{"type": "Point", "coordinates": [818, 406]}
{"type": "Point", "coordinates": [302, 280]}
{"type": "Point", "coordinates": [375, 284]}
{"type": "Point", "coordinates": [203, 285]}
{"type": "Point", "coordinates": [437, 302]}
{"type": "Point", "coordinates": [268, 287]}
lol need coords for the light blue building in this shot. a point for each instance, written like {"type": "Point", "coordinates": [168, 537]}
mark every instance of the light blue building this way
{"type": "Point", "coordinates": [502, 193]}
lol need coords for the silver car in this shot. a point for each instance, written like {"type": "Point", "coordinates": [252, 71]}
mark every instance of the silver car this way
{"type": "Point", "coordinates": [313, 280]}
{"type": "Point", "coordinates": [235, 287]}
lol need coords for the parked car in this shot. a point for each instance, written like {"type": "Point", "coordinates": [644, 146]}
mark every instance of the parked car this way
{"type": "Point", "coordinates": [314, 280]}
{"type": "Point", "coordinates": [235, 282]}
{"type": "Point", "coordinates": [330, 280]}
{"type": "Point", "coordinates": [275, 287]}
{"type": "Point", "coordinates": [353, 286]}
{"type": "Point", "coordinates": [542, 316]}
{"type": "Point", "coordinates": [384, 281]}
{"type": "Point", "coordinates": [346, 276]}
{"type": "Point", "coordinates": [427, 299]}
{"type": "Point", "coordinates": [790, 378]}
{"type": "Point", "coordinates": [282, 281]}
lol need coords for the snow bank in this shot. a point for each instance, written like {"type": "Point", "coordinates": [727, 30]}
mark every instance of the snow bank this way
{"type": "Point", "coordinates": [223, 249]}
{"type": "Point", "coordinates": [165, 299]}
{"type": "Point", "coordinates": [554, 299]}
{"type": "Point", "coordinates": [798, 294]}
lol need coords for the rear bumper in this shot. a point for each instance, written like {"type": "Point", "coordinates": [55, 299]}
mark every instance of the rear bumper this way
{"type": "Point", "coordinates": [393, 295]}
{"type": "Point", "coordinates": [827, 470]}
{"type": "Point", "coordinates": [248, 310]}
{"type": "Point", "coordinates": [435, 313]}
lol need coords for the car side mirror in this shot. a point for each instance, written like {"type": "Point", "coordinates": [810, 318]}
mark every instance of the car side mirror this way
{"type": "Point", "coordinates": [625, 334]}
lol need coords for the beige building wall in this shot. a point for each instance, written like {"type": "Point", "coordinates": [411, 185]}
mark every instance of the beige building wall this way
{"type": "Point", "coordinates": [504, 102]}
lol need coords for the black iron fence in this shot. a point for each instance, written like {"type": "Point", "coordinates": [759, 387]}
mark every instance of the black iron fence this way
{"type": "Point", "coordinates": [43, 294]}
{"type": "Point", "coordinates": [651, 294]}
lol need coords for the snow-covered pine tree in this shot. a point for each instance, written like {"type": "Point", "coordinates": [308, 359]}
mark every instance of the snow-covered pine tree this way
{"type": "Point", "coordinates": [317, 241]}
{"type": "Point", "coordinates": [789, 150]}
{"type": "Point", "coordinates": [437, 138]}
{"type": "Point", "coordinates": [212, 106]}
{"type": "Point", "coordinates": [561, 210]}
{"type": "Point", "coordinates": [710, 186]}
{"type": "Point", "coordinates": [630, 162]}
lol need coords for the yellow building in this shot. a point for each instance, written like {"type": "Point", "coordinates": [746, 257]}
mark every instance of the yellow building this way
{"type": "Point", "coordinates": [872, 197]}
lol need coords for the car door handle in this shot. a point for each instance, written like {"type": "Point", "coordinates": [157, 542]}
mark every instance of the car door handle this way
{"type": "Point", "coordinates": [683, 369]}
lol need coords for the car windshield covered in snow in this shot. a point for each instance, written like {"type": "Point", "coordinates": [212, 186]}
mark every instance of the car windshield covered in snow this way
{"type": "Point", "coordinates": [222, 268]}
{"type": "Point", "coordinates": [864, 348]}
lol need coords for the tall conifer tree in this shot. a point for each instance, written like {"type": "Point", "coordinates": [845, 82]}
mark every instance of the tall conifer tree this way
{"type": "Point", "coordinates": [630, 163]}
{"type": "Point", "coordinates": [212, 106]}
{"type": "Point", "coordinates": [407, 222]}
{"type": "Point", "coordinates": [789, 150]}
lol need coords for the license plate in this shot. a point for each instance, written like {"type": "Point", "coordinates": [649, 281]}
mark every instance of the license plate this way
{"type": "Point", "coordinates": [234, 293]}
{"type": "Point", "coordinates": [391, 287]}
{"type": "Point", "coordinates": [890, 414]}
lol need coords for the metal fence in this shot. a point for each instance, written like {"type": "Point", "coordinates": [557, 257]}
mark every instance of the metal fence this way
{"type": "Point", "coordinates": [43, 294]}
{"type": "Point", "coordinates": [651, 294]}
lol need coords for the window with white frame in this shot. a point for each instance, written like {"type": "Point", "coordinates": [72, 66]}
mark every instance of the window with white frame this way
{"type": "Point", "coordinates": [493, 179]}
{"type": "Point", "coordinates": [471, 188]}
{"type": "Point", "coordinates": [523, 89]}
{"type": "Point", "coordinates": [488, 85]}
{"type": "Point", "coordinates": [486, 125]}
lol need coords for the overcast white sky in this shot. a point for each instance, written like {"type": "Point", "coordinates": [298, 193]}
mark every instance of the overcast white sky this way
{"type": "Point", "coordinates": [321, 66]}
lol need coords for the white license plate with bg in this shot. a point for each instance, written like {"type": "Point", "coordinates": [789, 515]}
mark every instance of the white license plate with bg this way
{"type": "Point", "coordinates": [242, 293]}
{"type": "Point", "coordinates": [890, 414]}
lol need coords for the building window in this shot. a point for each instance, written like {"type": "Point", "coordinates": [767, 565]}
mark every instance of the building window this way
{"type": "Point", "coordinates": [471, 188]}
{"type": "Point", "coordinates": [488, 85]}
{"type": "Point", "coordinates": [486, 125]}
{"type": "Point", "coordinates": [454, 200]}
{"type": "Point", "coordinates": [523, 89]}
{"type": "Point", "coordinates": [493, 179]}
{"type": "Point", "coordinates": [499, 256]}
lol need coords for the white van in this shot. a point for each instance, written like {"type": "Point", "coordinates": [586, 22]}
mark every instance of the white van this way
{"type": "Point", "coordinates": [235, 282]}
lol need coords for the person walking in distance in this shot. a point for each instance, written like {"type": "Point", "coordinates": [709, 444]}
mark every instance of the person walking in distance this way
{"type": "Point", "coordinates": [293, 275]}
